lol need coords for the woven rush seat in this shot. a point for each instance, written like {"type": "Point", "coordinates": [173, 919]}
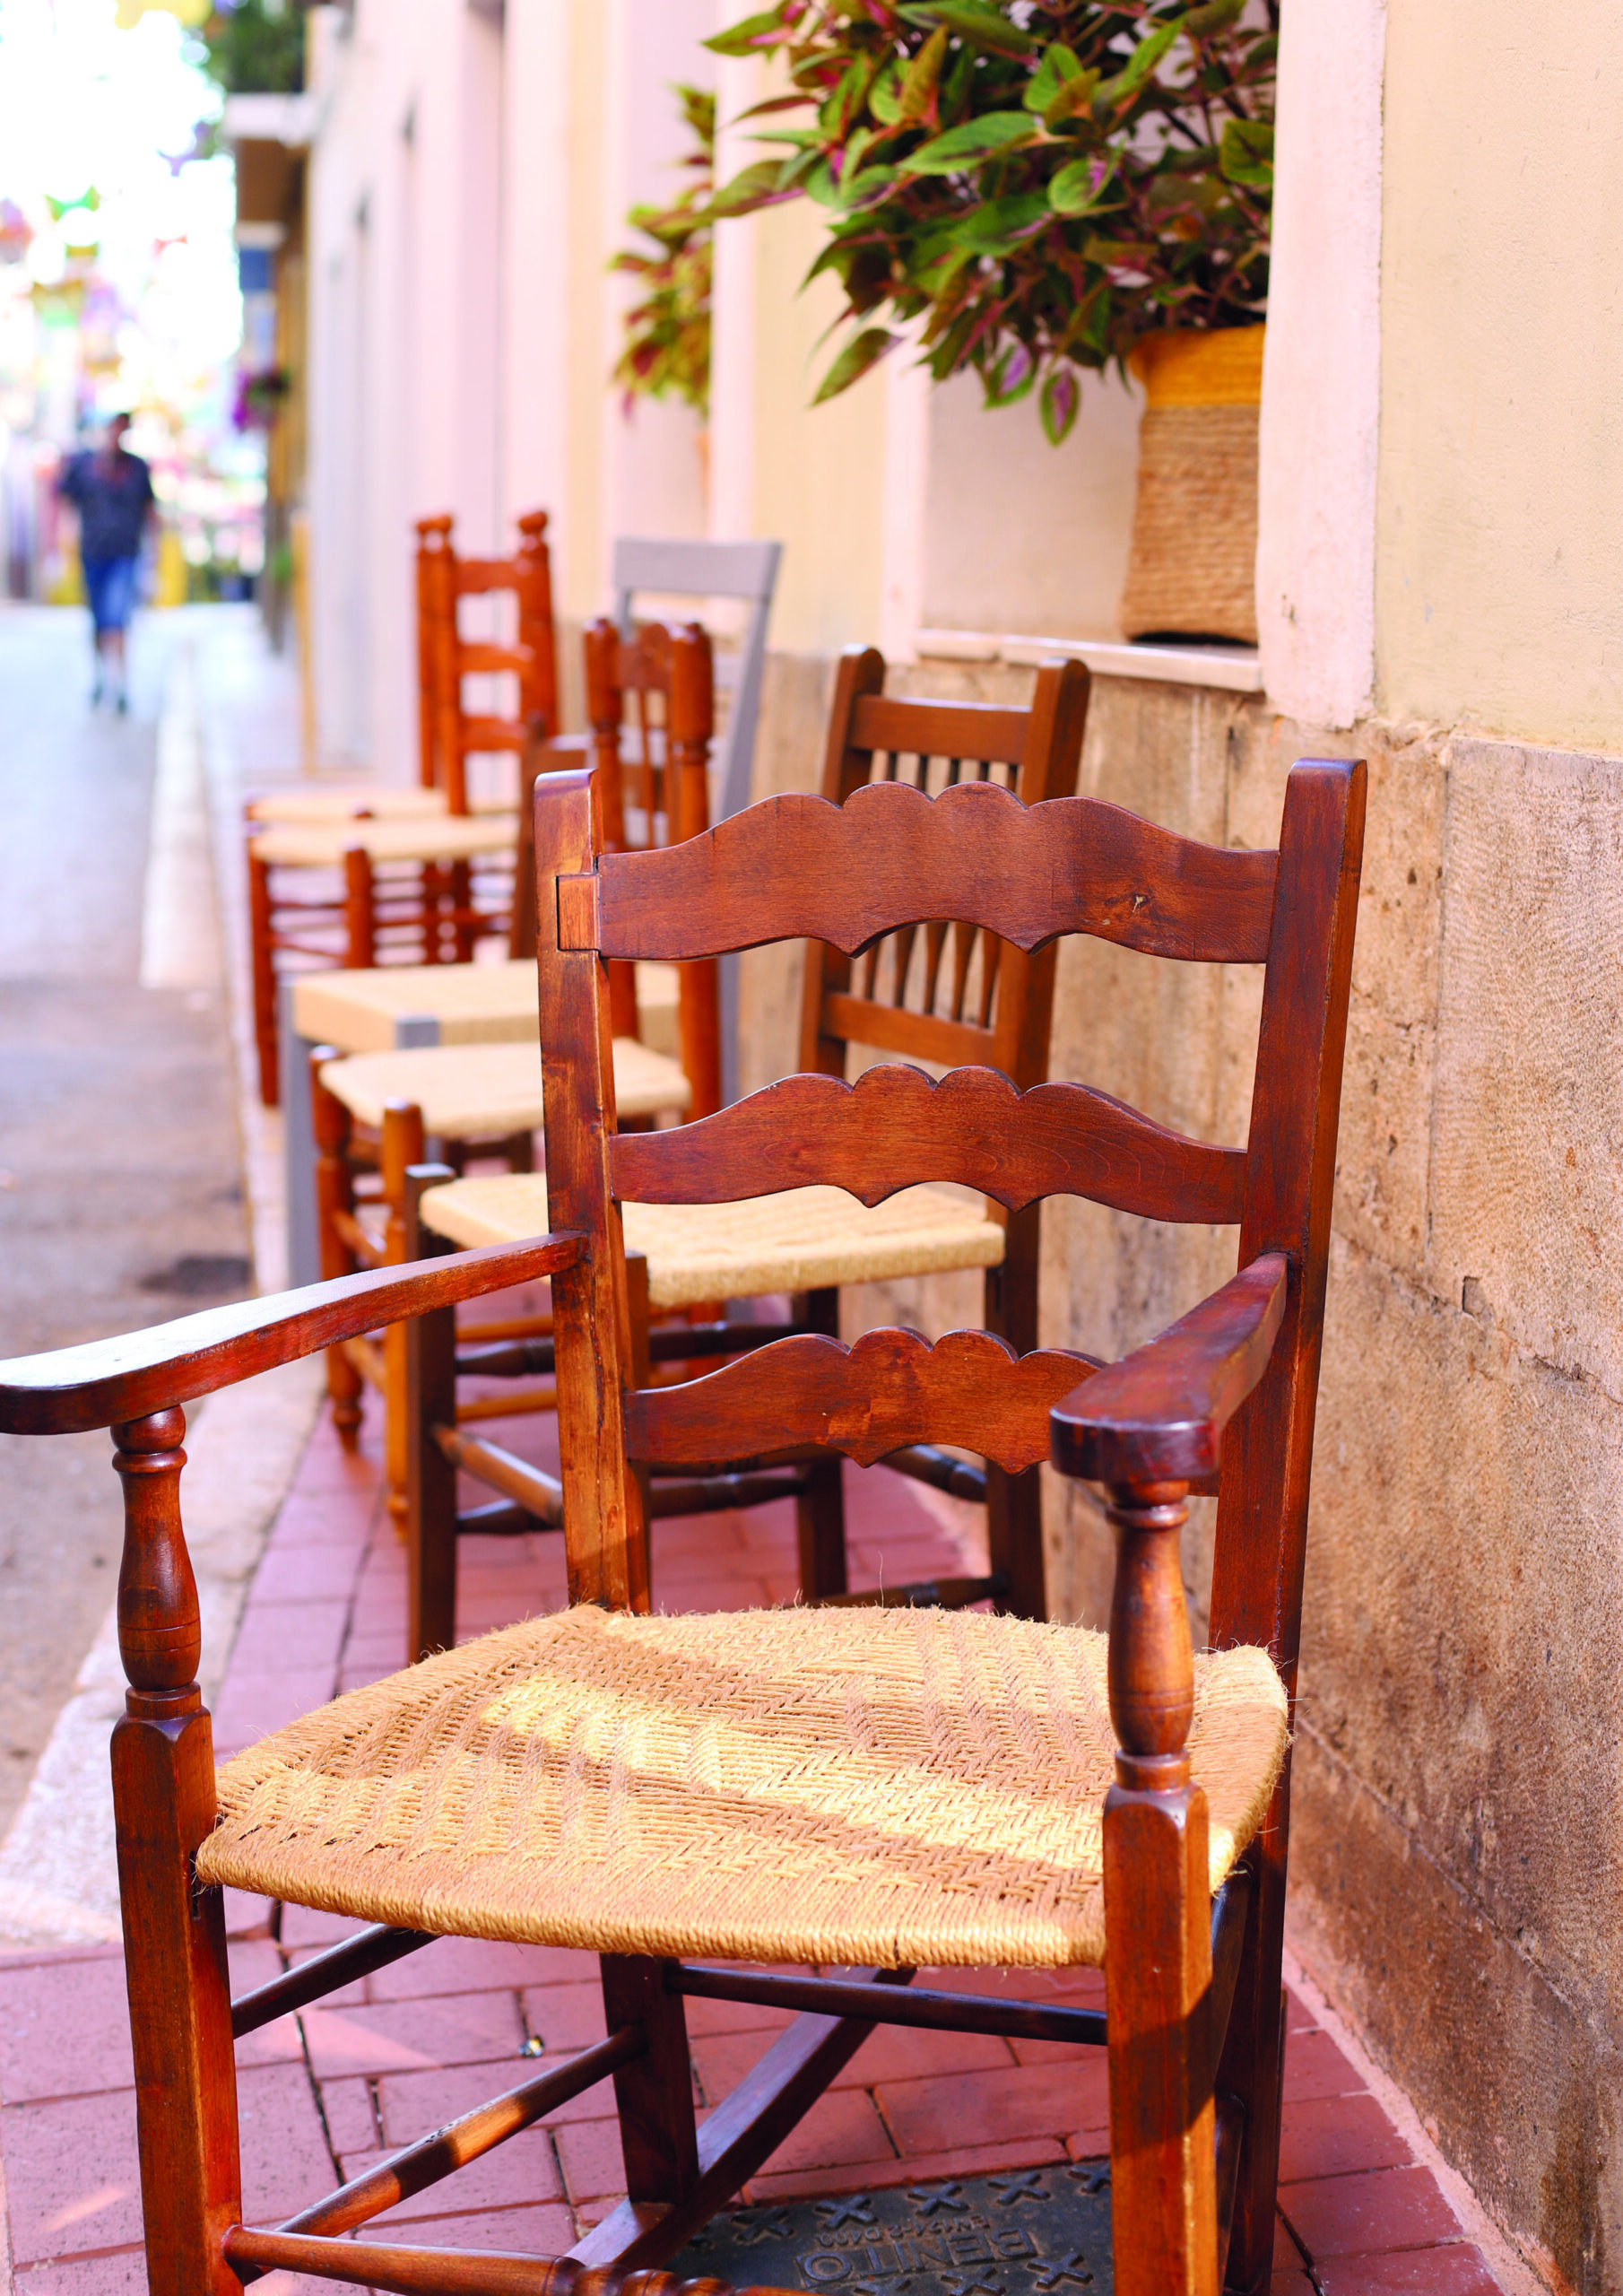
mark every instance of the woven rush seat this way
{"type": "Point", "coordinates": [445, 836]}
{"type": "Point", "coordinates": [468, 1090]}
{"type": "Point", "coordinates": [865, 1786]}
{"type": "Point", "coordinates": [798, 1240]}
{"type": "Point", "coordinates": [360, 1010]}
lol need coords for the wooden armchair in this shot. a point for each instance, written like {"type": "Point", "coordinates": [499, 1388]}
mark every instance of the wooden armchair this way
{"type": "Point", "coordinates": [944, 994]}
{"type": "Point", "coordinates": [357, 876]}
{"type": "Point", "coordinates": [860, 1785]}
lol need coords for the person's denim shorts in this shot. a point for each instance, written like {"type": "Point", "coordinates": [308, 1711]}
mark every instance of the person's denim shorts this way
{"type": "Point", "coordinates": [109, 584]}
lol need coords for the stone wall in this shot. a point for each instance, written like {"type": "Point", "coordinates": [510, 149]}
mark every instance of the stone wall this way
{"type": "Point", "coordinates": [1459, 1822]}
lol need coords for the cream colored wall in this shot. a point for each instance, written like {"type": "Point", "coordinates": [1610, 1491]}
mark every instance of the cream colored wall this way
{"type": "Point", "coordinates": [1499, 594]}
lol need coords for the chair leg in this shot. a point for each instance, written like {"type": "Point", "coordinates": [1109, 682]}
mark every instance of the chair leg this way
{"type": "Point", "coordinates": [262, 944]}
{"type": "Point", "coordinates": [820, 1511]}
{"type": "Point", "coordinates": [1014, 1502]}
{"type": "Point", "coordinates": [1158, 1923]}
{"type": "Point", "coordinates": [1253, 2062]}
{"type": "Point", "coordinates": [402, 1146]}
{"type": "Point", "coordinates": [430, 1402]}
{"type": "Point", "coordinates": [174, 1932]}
{"type": "Point", "coordinates": [654, 2094]}
{"type": "Point", "coordinates": [360, 910]}
{"type": "Point", "coordinates": [334, 1194]}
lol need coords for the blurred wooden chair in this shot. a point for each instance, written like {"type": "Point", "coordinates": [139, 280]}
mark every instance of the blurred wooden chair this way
{"type": "Point", "coordinates": [942, 994]}
{"type": "Point", "coordinates": [356, 877]}
{"type": "Point", "coordinates": [1111, 1800]}
{"type": "Point", "coordinates": [375, 1112]}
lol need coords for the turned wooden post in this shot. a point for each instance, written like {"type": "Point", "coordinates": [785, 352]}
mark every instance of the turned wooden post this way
{"type": "Point", "coordinates": [174, 1930]}
{"type": "Point", "coordinates": [402, 1147]}
{"type": "Point", "coordinates": [334, 1194]}
{"type": "Point", "coordinates": [689, 718]}
{"type": "Point", "coordinates": [1158, 1915]}
{"type": "Point", "coordinates": [360, 910]}
{"type": "Point", "coordinates": [262, 949]}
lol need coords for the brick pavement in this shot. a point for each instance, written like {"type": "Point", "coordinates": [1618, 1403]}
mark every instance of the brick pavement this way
{"type": "Point", "coordinates": [381, 2063]}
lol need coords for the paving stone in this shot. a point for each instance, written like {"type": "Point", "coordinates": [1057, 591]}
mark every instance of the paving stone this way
{"type": "Point", "coordinates": [64, 2029]}
{"type": "Point", "coordinates": [477, 1965]}
{"type": "Point", "coordinates": [515, 2175]}
{"type": "Point", "coordinates": [565, 2016]}
{"type": "Point", "coordinates": [1334, 2137]}
{"type": "Point", "coordinates": [402, 2035]}
{"type": "Point", "coordinates": [841, 2128]}
{"type": "Point", "coordinates": [346, 2103]}
{"type": "Point", "coordinates": [1315, 2067]}
{"type": "Point", "coordinates": [122, 2273]}
{"type": "Point", "coordinates": [286, 2162]}
{"type": "Point", "coordinates": [588, 2153]}
{"type": "Point", "coordinates": [275, 1635]}
{"type": "Point", "coordinates": [543, 2231]}
{"type": "Point", "coordinates": [1456, 2271]}
{"type": "Point", "coordinates": [72, 2175]}
{"type": "Point", "coordinates": [306, 1574]}
{"type": "Point", "coordinates": [990, 2107]}
{"type": "Point", "coordinates": [251, 1705]}
{"type": "Point", "coordinates": [1360, 2215]}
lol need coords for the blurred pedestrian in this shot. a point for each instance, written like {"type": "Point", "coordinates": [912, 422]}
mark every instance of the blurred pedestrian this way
{"type": "Point", "coordinates": [112, 492]}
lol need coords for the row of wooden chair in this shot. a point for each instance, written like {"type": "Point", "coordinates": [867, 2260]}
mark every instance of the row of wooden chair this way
{"type": "Point", "coordinates": [352, 874]}
{"type": "Point", "coordinates": [734, 1806]}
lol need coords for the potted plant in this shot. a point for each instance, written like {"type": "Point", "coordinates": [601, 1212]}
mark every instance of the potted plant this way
{"type": "Point", "coordinates": [1042, 189]}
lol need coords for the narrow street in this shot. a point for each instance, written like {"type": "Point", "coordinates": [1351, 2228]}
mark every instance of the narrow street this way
{"type": "Point", "coordinates": [120, 1194]}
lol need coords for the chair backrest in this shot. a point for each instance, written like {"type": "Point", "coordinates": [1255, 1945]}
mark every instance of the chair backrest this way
{"type": "Point", "coordinates": [651, 708]}
{"type": "Point", "coordinates": [448, 732]}
{"type": "Point", "coordinates": [710, 569]}
{"type": "Point", "coordinates": [886, 860]}
{"type": "Point", "coordinates": [949, 993]}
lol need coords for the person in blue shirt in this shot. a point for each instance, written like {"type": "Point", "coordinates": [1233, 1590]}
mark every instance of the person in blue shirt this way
{"type": "Point", "coordinates": [112, 492]}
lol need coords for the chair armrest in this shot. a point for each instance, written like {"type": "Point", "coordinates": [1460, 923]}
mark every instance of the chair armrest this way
{"type": "Point", "coordinates": [108, 1381]}
{"type": "Point", "coordinates": [1159, 1415]}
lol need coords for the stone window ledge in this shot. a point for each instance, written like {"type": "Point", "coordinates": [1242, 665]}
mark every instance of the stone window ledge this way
{"type": "Point", "coordinates": [1234, 669]}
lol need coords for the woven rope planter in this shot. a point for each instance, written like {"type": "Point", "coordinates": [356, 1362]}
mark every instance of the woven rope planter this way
{"type": "Point", "coordinates": [1193, 569]}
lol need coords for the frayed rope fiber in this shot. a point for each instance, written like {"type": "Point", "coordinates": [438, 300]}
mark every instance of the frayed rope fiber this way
{"type": "Point", "coordinates": [862, 1786]}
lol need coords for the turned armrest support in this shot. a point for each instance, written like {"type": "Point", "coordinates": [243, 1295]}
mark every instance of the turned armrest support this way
{"type": "Point", "coordinates": [1158, 1416]}
{"type": "Point", "coordinates": [111, 1381]}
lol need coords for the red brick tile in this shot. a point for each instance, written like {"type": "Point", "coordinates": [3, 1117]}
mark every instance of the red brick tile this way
{"type": "Point", "coordinates": [893, 2053]}
{"type": "Point", "coordinates": [1458, 2271]}
{"type": "Point", "coordinates": [285, 2160]}
{"type": "Point", "coordinates": [515, 2175]}
{"type": "Point", "coordinates": [841, 2127]}
{"type": "Point", "coordinates": [1078, 1988]}
{"type": "Point", "coordinates": [1337, 2136]}
{"type": "Point", "coordinates": [256, 1961]}
{"type": "Point", "coordinates": [704, 2018]}
{"type": "Point", "coordinates": [972, 2161]}
{"type": "Point", "coordinates": [64, 2030]}
{"type": "Point", "coordinates": [277, 1635]}
{"type": "Point", "coordinates": [1298, 2017]}
{"type": "Point", "coordinates": [410, 2104]}
{"type": "Point", "coordinates": [543, 2231]}
{"type": "Point", "coordinates": [1091, 2143]}
{"type": "Point", "coordinates": [589, 2154]}
{"type": "Point", "coordinates": [251, 1705]}
{"type": "Point", "coordinates": [72, 2175]}
{"type": "Point", "coordinates": [400, 2035]}
{"type": "Point", "coordinates": [343, 1996]}
{"type": "Point", "coordinates": [473, 1965]}
{"type": "Point", "coordinates": [1294, 2283]}
{"type": "Point", "coordinates": [994, 2108]}
{"type": "Point", "coordinates": [246, 1917]}
{"type": "Point", "coordinates": [565, 2016]}
{"type": "Point", "coordinates": [306, 1574]}
{"type": "Point", "coordinates": [1395, 2208]}
{"type": "Point", "coordinates": [351, 2125]}
{"type": "Point", "coordinates": [1315, 2067]}
{"type": "Point", "coordinates": [120, 2275]}
{"type": "Point", "coordinates": [304, 1925]}
{"type": "Point", "coordinates": [331, 1518]}
{"type": "Point", "coordinates": [362, 1677]}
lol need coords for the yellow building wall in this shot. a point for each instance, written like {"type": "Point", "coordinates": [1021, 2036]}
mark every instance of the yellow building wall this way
{"type": "Point", "coordinates": [1499, 564]}
{"type": "Point", "coordinates": [819, 472]}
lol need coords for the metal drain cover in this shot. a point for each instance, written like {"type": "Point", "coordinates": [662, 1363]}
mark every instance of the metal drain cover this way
{"type": "Point", "coordinates": [1023, 2232]}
